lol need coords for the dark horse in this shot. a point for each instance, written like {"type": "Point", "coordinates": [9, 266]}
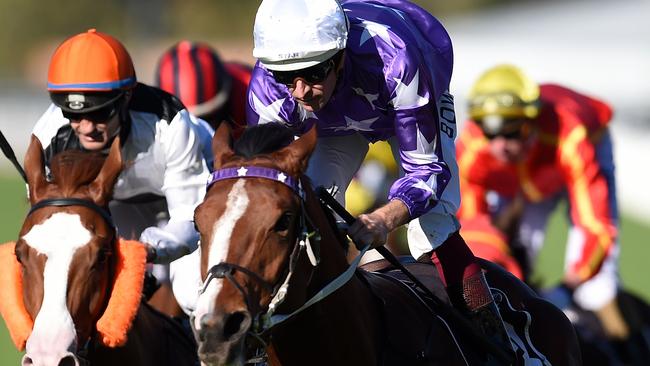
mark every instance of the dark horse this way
{"type": "Point", "coordinates": [74, 291]}
{"type": "Point", "coordinates": [278, 285]}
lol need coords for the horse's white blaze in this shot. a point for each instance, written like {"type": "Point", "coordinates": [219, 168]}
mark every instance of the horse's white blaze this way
{"type": "Point", "coordinates": [236, 205]}
{"type": "Point", "coordinates": [58, 238]}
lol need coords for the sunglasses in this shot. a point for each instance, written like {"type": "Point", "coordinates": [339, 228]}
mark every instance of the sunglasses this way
{"type": "Point", "coordinates": [312, 75]}
{"type": "Point", "coordinates": [512, 135]}
{"type": "Point", "coordinates": [100, 115]}
{"type": "Point", "coordinates": [514, 129]}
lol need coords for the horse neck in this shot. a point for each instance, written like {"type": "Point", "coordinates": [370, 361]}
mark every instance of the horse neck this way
{"type": "Point", "coordinates": [333, 257]}
{"type": "Point", "coordinates": [147, 343]}
{"type": "Point", "coordinates": [349, 315]}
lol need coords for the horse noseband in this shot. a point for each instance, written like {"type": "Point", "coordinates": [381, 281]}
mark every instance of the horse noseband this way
{"type": "Point", "coordinates": [225, 270]}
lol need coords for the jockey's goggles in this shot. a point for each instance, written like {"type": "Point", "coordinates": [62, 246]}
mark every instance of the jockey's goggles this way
{"type": "Point", "coordinates": [509, 129]}
{"type": "Point", "coordinates": [312, 75]}
{"type": "Point", "coordinates": [99, 115]}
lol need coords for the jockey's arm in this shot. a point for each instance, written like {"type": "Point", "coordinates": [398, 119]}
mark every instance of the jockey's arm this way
{"type": "Point", "coordinates": [373, 228]}
{"type": "Point", "coordinates": [184, 187]}
{"type": "Point", "coordinates": [589, 207]}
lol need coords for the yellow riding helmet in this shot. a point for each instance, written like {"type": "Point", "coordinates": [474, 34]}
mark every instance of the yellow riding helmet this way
{"type": "Point", "coordinates": [504, 91]}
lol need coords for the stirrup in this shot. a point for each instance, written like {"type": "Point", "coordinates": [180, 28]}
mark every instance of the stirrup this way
{"type": "Point", "coordinates": [484, 313]}
{"type": "Point", "coordinates": [489, 322]}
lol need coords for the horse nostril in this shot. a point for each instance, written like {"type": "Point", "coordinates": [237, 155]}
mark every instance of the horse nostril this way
{"type": "Point", "coordinates": [27, 361]}
{"type": "Point", "coordinates": [236, 323]}
{"type": "Point", "coordinates": [68, 360]}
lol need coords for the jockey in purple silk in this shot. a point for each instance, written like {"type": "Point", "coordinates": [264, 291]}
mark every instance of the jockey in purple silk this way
{"type": "Point", "coordinates": [366, 71]}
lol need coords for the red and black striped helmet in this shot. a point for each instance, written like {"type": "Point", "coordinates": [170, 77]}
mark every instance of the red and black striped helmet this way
{"type": "Point", "coordinates": [194, 73]}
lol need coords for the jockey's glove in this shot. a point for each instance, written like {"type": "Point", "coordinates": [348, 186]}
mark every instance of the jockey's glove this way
{"type": "Point", "coordinates": [165, 246]}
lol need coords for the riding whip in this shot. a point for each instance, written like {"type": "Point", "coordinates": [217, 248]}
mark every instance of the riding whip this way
{"type": "Point", "coordinates": [9, 153]}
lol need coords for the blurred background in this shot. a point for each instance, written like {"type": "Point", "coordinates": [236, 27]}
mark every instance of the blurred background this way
{"type": "Point", "coordinates": [598, 47]}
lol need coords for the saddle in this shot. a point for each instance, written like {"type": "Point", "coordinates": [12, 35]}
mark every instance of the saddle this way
{"type": "Point", "coordinates": [442, 343]}
{"type": "Point", "coordinates": [415, 334]}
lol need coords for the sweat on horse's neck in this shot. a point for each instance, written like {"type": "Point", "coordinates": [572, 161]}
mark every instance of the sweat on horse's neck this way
{"type": "Point", "coordinates": [58, 238]}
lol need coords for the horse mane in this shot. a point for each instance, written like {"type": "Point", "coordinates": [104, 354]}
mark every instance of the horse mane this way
{"type": "Point", "coordinates": [263, 139]}
{"type": "Point", "coordinates": [71, 169]}
{"type": "Point", "coordinates": [270, 137]}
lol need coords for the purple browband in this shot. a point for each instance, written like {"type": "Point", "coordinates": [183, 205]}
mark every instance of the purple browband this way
{"type": "Point", "coordinates": [254, 172]}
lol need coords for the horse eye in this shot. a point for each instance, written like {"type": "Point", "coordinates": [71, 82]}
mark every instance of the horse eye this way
{"type": "Point", "coordinates": [20, 253]}
{"type": "Point", "coordinates": [284, 222]}
{"type": "Point", "coordinates": [19, 257]}
{"type": "Point", "coordinates": [102, 257]}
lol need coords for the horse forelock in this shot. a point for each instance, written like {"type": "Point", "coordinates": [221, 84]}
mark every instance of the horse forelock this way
{"type": "Point", "coordinates": [72, 169]}
{"type": "Point", "coordinates": [263, 139]}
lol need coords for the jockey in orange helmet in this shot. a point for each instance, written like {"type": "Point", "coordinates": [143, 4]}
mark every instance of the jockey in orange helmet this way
{"type": "Point", "coordinates": [534, 145]}
{"type": "Point", "coordinates": [96, 97]}
{"type": "Point", "coordinates": [210, 89]}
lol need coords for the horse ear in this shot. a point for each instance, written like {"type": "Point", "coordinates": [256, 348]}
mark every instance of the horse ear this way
{"type": "Point", "coordinates": [35, 170]}
{"type": "Point", "coordinates": [294, 158]}
{"type": "Point", "coordinates": [222, 145]}
{"type": "Point", "coordinates": [102, 187]}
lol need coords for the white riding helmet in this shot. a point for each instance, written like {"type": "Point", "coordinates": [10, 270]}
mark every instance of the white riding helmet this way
{"type": "Point", "coordinates": [296, 34]}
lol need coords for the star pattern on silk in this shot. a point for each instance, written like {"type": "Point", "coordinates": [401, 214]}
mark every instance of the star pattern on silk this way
{"type": "Point", "coordinates": [369, 97]}
{"type": "Point", "coordinates": [372, 29]}
{"type": "Point", "coordinates": [357, 125]}
{"type": "Point", "coordinates": [420, 184]}
{"type": "Point", "coordinates": [282, 177]}
{"type": "Point", "coordinates": [382, 7]}
{"type": "Point", "coordinates": [424, 152]}
{"type": "Point", "coordinates": [242, 171]}
{"type": "Point", "coordinates": [268, 113]}
{"type": "Point", "coordinates": [406, 96]}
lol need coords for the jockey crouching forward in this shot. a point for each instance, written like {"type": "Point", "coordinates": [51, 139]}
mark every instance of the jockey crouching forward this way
{"type": "Point", "coordinates": [528, 147]}
{"type": "Point", "coordinates": [364, 72]}
{"type": "Point", "coordinates": [96, 97]}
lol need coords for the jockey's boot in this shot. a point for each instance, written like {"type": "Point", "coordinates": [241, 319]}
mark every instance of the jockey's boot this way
{"type": "Point", "coordinates": [468, 290]}
{"type": "Point", "coordinates": [483, 312]}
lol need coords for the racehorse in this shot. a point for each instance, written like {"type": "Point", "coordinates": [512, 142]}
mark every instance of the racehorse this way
{"type": "Point", "coordinates": [73, 289]}
{"type": "Point", "coordinates": [278, 287]}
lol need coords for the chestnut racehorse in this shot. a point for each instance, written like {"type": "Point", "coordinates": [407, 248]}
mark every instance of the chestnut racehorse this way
{"type": "Point", "coordinates": [278, 287]}
{"type": "Point", "coordinates": [75, 291]}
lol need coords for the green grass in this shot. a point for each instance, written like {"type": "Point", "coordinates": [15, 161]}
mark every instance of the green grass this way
{"type": "Point", "coordinates": [14, 206]}
{"type": "Point", "coordinates": [634, 254]}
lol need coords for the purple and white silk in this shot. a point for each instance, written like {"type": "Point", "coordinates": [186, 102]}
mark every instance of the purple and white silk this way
{"type": "Point", "coordinates": [254, 172]}
{"type": "Point", "coordinates": [395, 82]}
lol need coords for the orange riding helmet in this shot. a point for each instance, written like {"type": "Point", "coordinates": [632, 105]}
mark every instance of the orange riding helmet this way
{"type": "Point", "coordinates": [89, 71]}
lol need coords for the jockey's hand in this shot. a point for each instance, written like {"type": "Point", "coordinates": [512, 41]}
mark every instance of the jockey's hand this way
{"type": "Point", "coordinates": [165, 245]}
{"type": "Point", "coordinates": [571, 280]}
{"type": "Point", "coordinates": [369, 229]}
{"type": "Point", "coordinates": [373, 228]}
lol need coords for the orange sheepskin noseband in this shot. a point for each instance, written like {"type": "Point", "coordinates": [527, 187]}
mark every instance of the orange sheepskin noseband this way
{"type": "Point", "coordinates": [114, 324]}
{"type": "Point", "coordinates": [12, 307]}
{"type": "Point", "coordinates": [125, 299]}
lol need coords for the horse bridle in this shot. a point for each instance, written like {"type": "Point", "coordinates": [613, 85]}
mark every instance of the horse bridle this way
{"type": "Point", "coordinates": [64, 202]}
{"type": "Point", "coordinates": [82, 352]}
{"type": "Point", "coordinates": [224, 270]}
